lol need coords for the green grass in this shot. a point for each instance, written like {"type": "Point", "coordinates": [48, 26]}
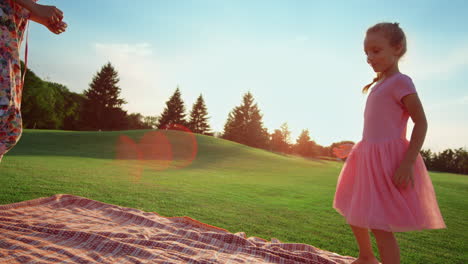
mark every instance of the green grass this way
{"type": "Point", "coordinates": [228, 185]}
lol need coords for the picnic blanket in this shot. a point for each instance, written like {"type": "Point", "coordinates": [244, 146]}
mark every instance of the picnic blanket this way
{"type": "Point", "coordinates": [72, 229]}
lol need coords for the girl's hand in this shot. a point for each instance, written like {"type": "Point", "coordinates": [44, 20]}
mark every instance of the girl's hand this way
{"type": "Point", "coordinates": [404, 175]}
{"type": "Point", "coordinates": [49, 16]}
{"type": "Point", "coordinates": [343, 150]}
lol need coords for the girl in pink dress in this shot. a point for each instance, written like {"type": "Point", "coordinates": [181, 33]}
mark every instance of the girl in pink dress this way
{"type": "Point", "coordinates": [384, 185]}
{"type": "Point", "coordinates": [14, 15]}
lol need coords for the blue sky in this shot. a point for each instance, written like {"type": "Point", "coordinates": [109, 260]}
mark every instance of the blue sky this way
{"type": "Point", "coordinates": [303, 61]}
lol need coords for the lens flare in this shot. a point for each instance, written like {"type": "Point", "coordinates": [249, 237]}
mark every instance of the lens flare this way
{"type": "Point", "coordinates": [129, 156]}
{"type": "Point", "coordinates": [343, 150]}
{"type": "Point", "coordinates": [184, 145]}
{"type": "Point", "coordinates": [157, 150]}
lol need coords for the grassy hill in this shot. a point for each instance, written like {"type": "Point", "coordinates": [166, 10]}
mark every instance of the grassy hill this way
{"type": "Point", "coordinates": [228, 185]}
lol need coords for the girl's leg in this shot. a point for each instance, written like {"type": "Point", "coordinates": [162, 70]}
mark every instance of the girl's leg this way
{"type": "Point", "coordinates": [366, 255]}
{"type": "Point", "coordinates": [388, 246]}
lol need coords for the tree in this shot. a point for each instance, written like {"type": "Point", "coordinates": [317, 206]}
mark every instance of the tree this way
{"type": "Point", "coordinates": [276, 142]}
{"type": "Point", "coordinates": [454, 161]}
{"type": "Point", "coordinates": [305, 146]}
{"type": "Point", "coordinates": [151, 121]}
{"type": "Point", "coordinates": [102, 108]}
{"type": "Point", "coordinates": [285, 133]}
{"type": "Point", "coordinates": [234, 128]}
{"type": "Point", "coordinates": [198, 118]}
{"type": "Point", "coordinates": [244, 125]}
{"type": "Point", "coordinates": [174, 113]}
{"type": "Point", "coordinates": [461, 161]}
{"type": "Point", "coordinates": [38, 103]}
{"type": "Point", "coordinates": [444, 161]}
{"type": "Point", "coordinates": [67, 106]}
{"type": "Point", "coordinates": [49, 105]}
{"type": "Point", "coordinates": [286, 137]}
{"type": "Point", "coordinates": [136, 121]}
{"type": "Point", "coordinates": [280, 139]}
{"type": "Point", "coordinates": [427, 156]}
{"type": "Point", "coordinates": [74, 104]}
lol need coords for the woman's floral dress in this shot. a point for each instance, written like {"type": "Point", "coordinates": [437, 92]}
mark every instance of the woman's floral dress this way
{"type": "Point", "coordinates": [13, 20]}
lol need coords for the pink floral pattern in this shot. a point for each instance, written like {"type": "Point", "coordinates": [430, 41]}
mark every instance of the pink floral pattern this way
{"type": "Point", "coordinates": [13, 21]}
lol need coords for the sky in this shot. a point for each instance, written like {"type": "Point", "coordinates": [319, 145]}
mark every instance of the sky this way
{"type": "Point", "coordinates": [303, 61]}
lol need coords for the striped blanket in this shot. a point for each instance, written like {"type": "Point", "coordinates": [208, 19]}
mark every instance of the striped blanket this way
{"type": "Point", "coordinates": [71, 229]}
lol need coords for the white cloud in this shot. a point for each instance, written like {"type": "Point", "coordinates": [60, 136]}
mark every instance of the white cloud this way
{"type": "Point", "coordinates": [139, 74]}
{"type": "Point", "coordinates": [139, 49]}
{"type": "Point", "coordinates": [442, 135]}
{"type": "Point", "coordinates": [452, 104]}
{"type": "Point", "coordinates": [133, 62]}
{"type": "Point", "coordinates": [426, 64]}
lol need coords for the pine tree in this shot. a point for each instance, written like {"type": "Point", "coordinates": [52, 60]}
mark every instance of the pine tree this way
{"type": "Point", "coordinates": [198, 118]}
{"type": "Point", "coordinates": [245, 126]}
{"type": "Point", "coordinates": [235, 129]}
{"type": "Point", "coordinates": [102, 108]}
{"type": "Point", "coordinates": [174, 113]}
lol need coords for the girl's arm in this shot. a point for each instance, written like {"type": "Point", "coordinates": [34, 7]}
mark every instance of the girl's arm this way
{"type": "Point", "coordinates": [416, 111]}
{"type": "Point", "coordinates": [404, 174]}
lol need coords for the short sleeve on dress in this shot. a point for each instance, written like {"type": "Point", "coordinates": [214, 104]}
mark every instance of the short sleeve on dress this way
{"type": "Point", "coordinates": [404, 86]}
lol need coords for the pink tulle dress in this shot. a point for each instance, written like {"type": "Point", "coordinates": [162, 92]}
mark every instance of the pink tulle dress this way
{"type": "Point", "coordinates": [365, 193]}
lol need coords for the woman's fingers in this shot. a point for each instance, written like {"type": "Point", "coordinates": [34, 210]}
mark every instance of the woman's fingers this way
{"type": "Point", "coordinates": [61, 29]}
{"type": "Point", "coordinates": [58, 27]}
{"type": "Point", "coordinates": [58, 14]}
{"type": "Point", "coordinates": [55, 15]}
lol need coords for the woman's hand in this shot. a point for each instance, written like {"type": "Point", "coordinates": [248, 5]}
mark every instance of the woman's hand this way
{"type": "Point", "coordinates": [404, 175]}
{"type": "Point", "coordinates": [343, 150]}
{"type": "Point", "coordinates": [57, 28]}
{"type": "Point", "coordinates": [49, 16]}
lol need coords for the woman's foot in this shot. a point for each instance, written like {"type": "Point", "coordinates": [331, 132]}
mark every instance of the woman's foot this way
{"type": "Point", "coordinates": [362, 260]}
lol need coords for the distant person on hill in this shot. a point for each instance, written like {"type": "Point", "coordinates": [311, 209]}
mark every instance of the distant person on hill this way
{"type": "Point", "coordinates": [14, 16]}
{"type": "Point", "coordinates": [384, 185]}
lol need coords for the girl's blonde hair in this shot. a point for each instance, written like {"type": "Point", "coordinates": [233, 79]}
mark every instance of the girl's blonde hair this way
{"type": "Point", "coordinates": [395, 36]}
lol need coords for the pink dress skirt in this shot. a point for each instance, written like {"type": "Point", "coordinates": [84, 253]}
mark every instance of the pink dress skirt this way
{"type": "Point", "coordinates": [365, 193]}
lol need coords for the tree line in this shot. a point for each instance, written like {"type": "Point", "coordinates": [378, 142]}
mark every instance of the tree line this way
{"type": "Point", "coordinates": [453, 161]}
{"type": "Point", "coordinates": [50, 105]}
